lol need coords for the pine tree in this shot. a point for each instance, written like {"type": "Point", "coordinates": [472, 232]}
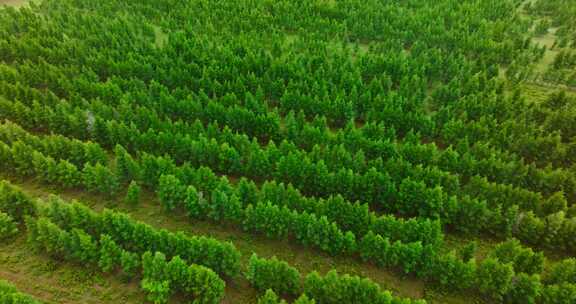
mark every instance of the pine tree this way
{"type": "Point", "coordinates": [265, 274]}
{"type": "Point", "coordinates": [494, 278]}
{"type": "Point", "coordinates": [270, 298]}
{"type": "Point", "coordinates": [129, 263]}
{"type": "Point", "coordinates": [8, 227]}
{"type": "Point", "coordinates": [109, 254]}
{"type": "Point", "coordinates": [132, 197]}
{"type": "Point", "coordinates": [171, 192]}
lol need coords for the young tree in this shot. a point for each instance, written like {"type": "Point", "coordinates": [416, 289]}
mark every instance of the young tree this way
{"type": "Point", "coordinates": [303, 299]}
{"type": "Point", "coordinates": [132, 197]}
{"type": "Point", "coordinates": [129, 262]}
{"type": "Point", "coordinates": [155, 280]}
{"type": "Point", "coordinates": [171, 192]}
{"type": "Point", "coordinates": [526, 289]}
{"type": "Point", "coordinates": [15, 203]}
{"type": "Point", "coordinates": [99, 178]}
{"type": "Point", "coordinates": [270, 298]}
{"type": "Point", "coordinates": [127, 168]}
{"type": "Point", "coordinates": [468, 251]}
{"type": "Point", "coordinates": [110, 254]}
{"type": "Point", "coordinates": [562, 272]}
{"type": "Point", "coordinates": [265, 274]}
{"type": "Point", "coordinates": [494, 278]}
{"type": "Point", "coordinates": [158, 292]}
{"type": "Point", "coordinates": [8, 227]}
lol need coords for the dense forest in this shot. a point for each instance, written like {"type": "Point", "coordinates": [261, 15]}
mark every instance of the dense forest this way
{"type": "Point", "coordinates": [288, 151]}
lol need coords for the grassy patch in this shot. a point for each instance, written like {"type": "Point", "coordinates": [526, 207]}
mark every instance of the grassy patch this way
{"type": "Point", "coordinates": [14, 3]}
{"type": "Point", "coordinates": [55, 282]}
{"type": "Point", "coordinates": [161, 38]}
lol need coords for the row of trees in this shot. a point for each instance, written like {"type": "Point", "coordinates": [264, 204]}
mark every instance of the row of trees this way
{"type": "Point", "coordinates": [280, 278]}
{"type": "Point", "coordinates": [137, 237]}
{"type": "Point", "coordinates": [204, 195]}
{"type": "Point", "coordinates": [493, 277]}
{"type": "Point", "coordinates": [75, 151]}
{"type": "Point", "coordinates": [160, 278]}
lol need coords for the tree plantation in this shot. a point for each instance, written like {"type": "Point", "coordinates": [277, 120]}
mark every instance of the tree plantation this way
{"type": "Point", "coordinates": [288, 151]}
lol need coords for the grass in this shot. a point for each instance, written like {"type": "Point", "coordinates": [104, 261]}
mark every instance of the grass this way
{"type": "Point", "coordinates": [238, 291]}
{"type": "Point", "coordinates": [547, 40]}
{"type": "Point", "coordinates": [539, 93]}
{"type": "Point", "coordinates": [161, 38]}
{"type": "Point", "coordinates": [55, 282]}
{"type": "Point", "coordinates": [14, 3]}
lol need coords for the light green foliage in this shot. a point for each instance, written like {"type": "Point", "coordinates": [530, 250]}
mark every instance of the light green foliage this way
{"type": "Point", "coordinates": [273, 274]}
{"type": "Point", "coordinates": [270, 297]}
{"type": "Point", "coordinates": [133, 194]}
{"type": "Point", "coordinates": [8, 227]}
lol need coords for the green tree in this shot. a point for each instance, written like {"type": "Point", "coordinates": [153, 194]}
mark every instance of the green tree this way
{"type": "Point", "coordinates": [526, 289]}
{"type": "Point", "coordinates": [270, 298]}
{"type": "Point", "coordinates": [158, 292]}
{"type": "Point", "coordinates": [129, 262]}
{"type": "Point", "coordinates": [110, 254]}
{"type": "Point", "coordinates": [494, 278]}
{"type": "Point", "coordinates": [132, 197]}
{"type": "Point", "coordinates": [127, 168]}
{"type": "Point", "coordinates": [100, 179]}
{"type": "Point", "coordinates": [171, 192]}
{"type": "Point", "coordinates": [8, 227]}
{"type": "Point", "coordinates": [265, 274]}
{"type": "Point", "coordinates": [303, 299]}
{"type": "Point", "coordinates": [15, 203]}
{"type": "Point", "coordinates": [468, 251]}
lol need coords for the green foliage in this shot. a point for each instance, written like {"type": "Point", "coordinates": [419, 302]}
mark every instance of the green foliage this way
{"type": "Point", "coordinates": [133, 194]}
{"type": "Point", "coordinates": [273, 274]}
{"type": "Point", "coordinates": [129, 262]}
{"type": "Point", "coordinates": [562, 272]}
{"type": "Point", "coordinates": [542, 27]}
{"type": "Point", "coordinates": [157, 292]}
{"type": "Point", "coordinates": [14, 203]}
{"type": "Point", "coordinates": [468, 251]}
{"type": "Point", "coordinates": [525, 289]}
{"type": "Point", "coordinates": [303, 299]}
{"type": "Point", "coordinates": [171, 192]}
{"type": "Point", "coordinates": [161, 278]}
{"type": "Point", "coordinates": [110, 254]}
{"type": "Point", "coordinates": [494, 278]}
{"type": "Point", "coordinates": [340, 110]}
{"type": "Point", "coordinates": [523, 259]}
{"type": "Point", "coordinates": [137, 237]}
{"type": "Point", "coordinates": [334, 288]}
{"type": "Point", "coordinates": [8, 227]}
{"type": "Point", "coordinates": [10, 295]}
{"type": "Point", "coordinates": [270, 297]}
{"type": "Point", "coordinates": [559, 294]}
{"type": "Point", "coordinates": [100, 179]}
{"type": "Point", "coordinates": [127, 169]}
